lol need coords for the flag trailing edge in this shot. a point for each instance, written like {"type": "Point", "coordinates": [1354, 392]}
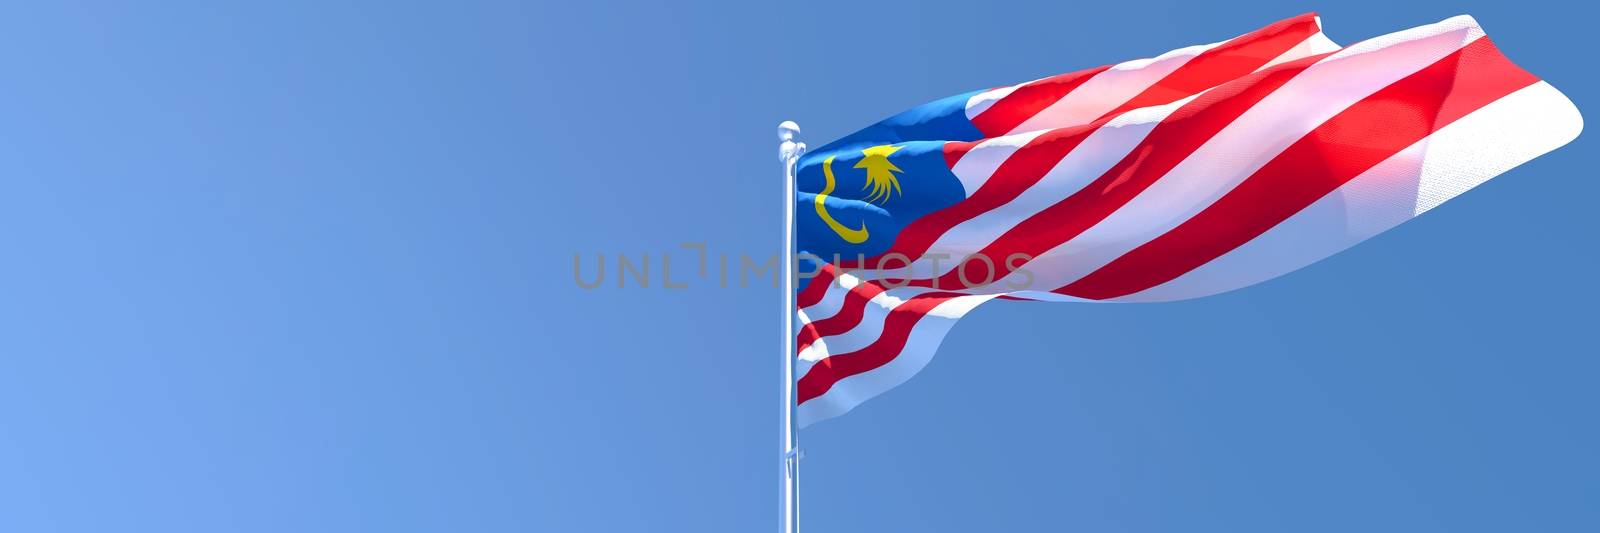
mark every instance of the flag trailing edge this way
{"type": "Point", "coordinates": [1203, 170]}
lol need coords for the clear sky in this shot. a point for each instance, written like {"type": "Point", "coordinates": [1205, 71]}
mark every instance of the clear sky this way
{"type": "Point", "coordinates": [307, 266]}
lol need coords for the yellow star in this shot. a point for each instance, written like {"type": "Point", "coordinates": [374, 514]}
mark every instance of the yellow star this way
{"type": "Point", "coordinates": [880, 172]}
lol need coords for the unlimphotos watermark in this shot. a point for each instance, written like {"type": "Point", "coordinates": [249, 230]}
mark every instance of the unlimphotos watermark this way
{"type": "Point", "coordinates": [646, 270]}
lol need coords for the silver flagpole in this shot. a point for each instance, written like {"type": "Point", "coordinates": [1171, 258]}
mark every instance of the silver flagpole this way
{"type": "Point", "coordinates": [789, 151]}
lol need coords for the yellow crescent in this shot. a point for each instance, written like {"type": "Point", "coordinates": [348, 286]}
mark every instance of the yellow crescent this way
{"type": "Point", "coordinates": [852, 236]}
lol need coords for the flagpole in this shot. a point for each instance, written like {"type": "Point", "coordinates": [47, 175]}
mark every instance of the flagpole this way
{"type": "Point", "coordinates": [789, 151]}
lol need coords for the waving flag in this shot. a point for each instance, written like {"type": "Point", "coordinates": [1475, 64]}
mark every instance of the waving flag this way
{"type": "Point", "coordinates": [1199, 171]}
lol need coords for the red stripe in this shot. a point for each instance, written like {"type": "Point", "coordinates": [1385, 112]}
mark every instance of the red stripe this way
{"type": "Point", "coordinates": [955, 150]}
{"type": "Point", "coordinates": [897, 330]}
{"type": "Point", "coordinates": [809, 330]}
{"type": "Point", "coordinates": [1169, 143]}
{"type": "Point", "coordinates": [1342, 148]}
{"type": "Point", "coordinates": [1235, 58]}
{"type": "Point", "coordinates": [817, 288]}
{"type": "Point", "coordinates": [849, 315]}
{"type": "Point", "coordinates": [1028, 100]}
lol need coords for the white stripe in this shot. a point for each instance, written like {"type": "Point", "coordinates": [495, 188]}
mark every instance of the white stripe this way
{"type": "Point", "coordinates": [920, 346]}
{"type": "Point", "coordinates": [980, 102]}
{"type": "Point", "coordinates": [1109, 89]}
{"type": "Point", "coordinates": [978, 165]}
{"type": "Point", "coordinates": [1506, 133]}
{"type": "Point", "coordinates": [833, 299]}
{"type": "Point", "coordinates": [801, 319]}
{"type": "Point", "coordinates": [1317, 43]}
{"type": "Point", "coordinates": [1261, 133]}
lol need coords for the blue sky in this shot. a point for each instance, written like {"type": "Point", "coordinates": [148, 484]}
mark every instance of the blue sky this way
{"type": "Point", "coordinates": [304, 266]}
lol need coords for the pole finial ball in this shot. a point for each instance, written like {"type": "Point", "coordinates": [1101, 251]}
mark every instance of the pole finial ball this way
{"type": "Point", "coordinates": [788, 130]}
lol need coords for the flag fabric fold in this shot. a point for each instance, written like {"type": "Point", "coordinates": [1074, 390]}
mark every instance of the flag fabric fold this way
{"type": "Point", "coordinates": [1199, 171]}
